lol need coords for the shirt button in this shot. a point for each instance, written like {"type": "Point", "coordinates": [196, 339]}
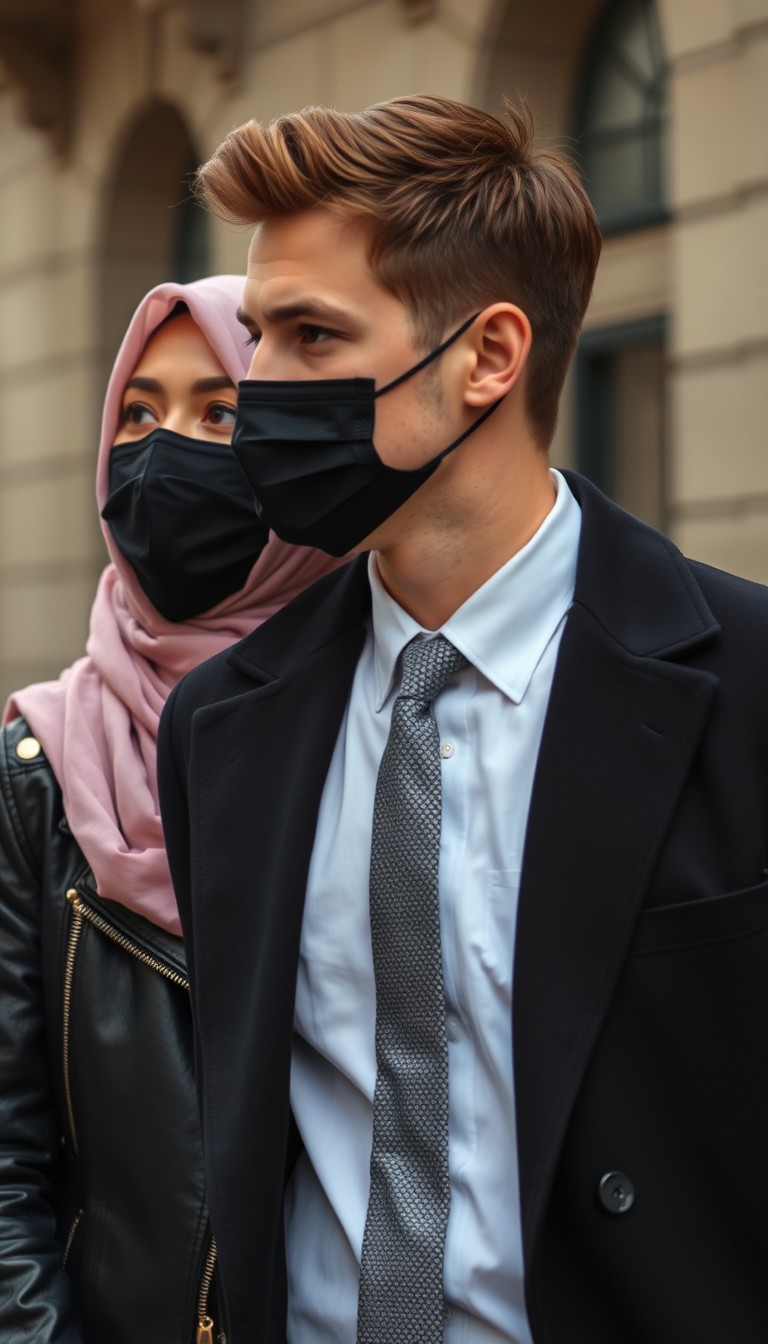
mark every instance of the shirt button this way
{"type": "Point", "coordinates": [452, 1028]}
{"type": "Point", "coordinates": [447, 1312]}
{"type": "Point", "coordinates": [446, 749]}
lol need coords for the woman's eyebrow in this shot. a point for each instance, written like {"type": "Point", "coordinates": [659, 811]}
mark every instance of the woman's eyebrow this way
{"type": "Point", "coordinates": [144, 384]}
{"type": "Point", "coordinates": [220, 383]}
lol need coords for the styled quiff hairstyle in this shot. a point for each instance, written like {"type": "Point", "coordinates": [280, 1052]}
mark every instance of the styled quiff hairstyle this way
{"type": "Point", "coordinates": [462, 212]}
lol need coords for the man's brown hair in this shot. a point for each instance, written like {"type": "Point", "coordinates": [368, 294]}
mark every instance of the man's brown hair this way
{"type": "Point", "coordinates": [462, 212]}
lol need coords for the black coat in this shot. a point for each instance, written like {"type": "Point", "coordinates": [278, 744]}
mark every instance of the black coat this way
{"type": "Point", "coordinates": [104, 1235]}
{"type": "Point", "coordinates": [641, 969]}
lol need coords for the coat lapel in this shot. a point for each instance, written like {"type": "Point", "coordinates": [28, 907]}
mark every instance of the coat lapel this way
{"type": "Point", "coordinates": [259, 762]}
{"type": "Point", "coordinates": [269, 751]}
{"type": "Point", "coordinates": [622, 726]}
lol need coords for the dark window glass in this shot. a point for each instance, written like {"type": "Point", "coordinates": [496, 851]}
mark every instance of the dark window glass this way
{"type": "Point", "coordinates": [621, 387]}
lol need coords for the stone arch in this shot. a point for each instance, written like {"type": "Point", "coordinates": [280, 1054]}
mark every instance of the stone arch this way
{"type": "Point", "coordinates": [536, 51]}
{"type": "Point", "coordinates": [539, 51]}
{"type": "Point", "coordinates": [151, 230]}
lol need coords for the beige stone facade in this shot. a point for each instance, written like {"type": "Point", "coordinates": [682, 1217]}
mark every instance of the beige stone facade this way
{"type": "Point", "coordinates": [106, 106]}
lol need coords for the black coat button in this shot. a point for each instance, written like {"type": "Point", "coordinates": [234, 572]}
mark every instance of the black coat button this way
{"type": "Point", "coordinates": [616, 1192]}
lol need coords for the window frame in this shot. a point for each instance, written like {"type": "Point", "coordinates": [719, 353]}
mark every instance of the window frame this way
{"type": "Point", "coordinates": [601, 49]}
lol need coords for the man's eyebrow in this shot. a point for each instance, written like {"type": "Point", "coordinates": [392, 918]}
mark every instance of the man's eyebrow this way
{"type": "Point", "coordinates": [316, 309]}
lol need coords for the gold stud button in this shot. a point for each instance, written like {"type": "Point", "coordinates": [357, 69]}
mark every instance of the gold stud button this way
{"type": "Point", "coordinates": [28, 748]}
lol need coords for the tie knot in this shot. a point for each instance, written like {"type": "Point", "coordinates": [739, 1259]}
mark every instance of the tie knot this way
{"type": "Point", "coordinates": [427, 665]}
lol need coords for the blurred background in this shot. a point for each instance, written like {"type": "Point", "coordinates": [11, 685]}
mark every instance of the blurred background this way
{"type": "Point", "coordinates": [107, 106]}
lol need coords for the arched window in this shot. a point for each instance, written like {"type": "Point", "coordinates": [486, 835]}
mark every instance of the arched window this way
{"type": "Point", "coordinates": [622, 117]}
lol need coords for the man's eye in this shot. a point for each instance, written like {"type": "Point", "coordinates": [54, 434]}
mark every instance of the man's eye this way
{"type": "Point", "coordinates": [137, 414]}
{"type": "Point", "coordinates": [315, 335]}
{"type": "Point", "coordinates": [221, 413]}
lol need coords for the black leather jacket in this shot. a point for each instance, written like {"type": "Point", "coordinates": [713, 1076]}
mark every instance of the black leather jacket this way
{"type": "Point", "coordinates": [104, 1235]}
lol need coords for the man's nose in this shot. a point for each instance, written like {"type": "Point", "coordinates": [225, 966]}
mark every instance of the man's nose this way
{"type": "Point", "coordinates": [268, 360]}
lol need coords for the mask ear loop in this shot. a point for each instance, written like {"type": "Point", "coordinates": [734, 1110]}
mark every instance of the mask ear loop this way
{"type": "Point", "coordinates": [434, 462]}
{"type": "Point", "coordinates": [475, 425]}
{"type": "Point", "coordinates": [433, 354]}
{"type": "Point", "coordinates": [471, 430]}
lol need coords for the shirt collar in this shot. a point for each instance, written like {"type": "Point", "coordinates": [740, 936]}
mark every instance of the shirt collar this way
{"type": "Point", "coordinates": [505, 626]}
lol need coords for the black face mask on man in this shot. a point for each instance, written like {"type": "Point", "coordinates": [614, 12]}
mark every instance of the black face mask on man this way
{"type": "Point", "coordinates": [307, 450]}
{"type": "Point", "coordinates": [182, 513]}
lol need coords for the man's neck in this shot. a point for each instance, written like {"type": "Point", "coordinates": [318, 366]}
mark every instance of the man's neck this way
{"type": "Point", "coordinates": [432, 571]}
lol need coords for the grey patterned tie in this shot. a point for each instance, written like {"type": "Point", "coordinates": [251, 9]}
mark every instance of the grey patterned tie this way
{"type": "Point", "coordinates": [401, 1274]}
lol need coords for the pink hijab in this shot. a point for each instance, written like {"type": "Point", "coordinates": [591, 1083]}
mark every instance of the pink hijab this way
{"type": "Point", "coordinates": [98, 722]}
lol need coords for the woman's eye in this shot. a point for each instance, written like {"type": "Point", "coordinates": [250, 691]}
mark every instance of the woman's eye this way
{"type": "Point", "coordinates": [221, 413]}
{"type": "Point", "coordinates": [254, 338]}
{"type": "Point", "coordinates": [137, 414]}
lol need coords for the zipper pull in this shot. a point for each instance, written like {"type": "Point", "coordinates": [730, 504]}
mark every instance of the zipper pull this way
{"type": "Point", "coordinates": [205, 1330]}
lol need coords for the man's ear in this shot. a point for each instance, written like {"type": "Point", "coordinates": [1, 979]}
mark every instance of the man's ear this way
{"type": "Point", "coordinates": [500, 340]}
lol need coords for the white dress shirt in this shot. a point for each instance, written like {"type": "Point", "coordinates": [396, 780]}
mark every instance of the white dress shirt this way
{"type": "Point", "coordinates": [490, 718]}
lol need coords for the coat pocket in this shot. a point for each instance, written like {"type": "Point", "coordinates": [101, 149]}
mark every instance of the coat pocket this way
{"type": "Point", "coordinates": [714, 919]}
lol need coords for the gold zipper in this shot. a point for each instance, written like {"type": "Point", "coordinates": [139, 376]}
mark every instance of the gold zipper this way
{"type": "Point", "coordinates": [76, 1221]}
{"type": "Point", "coordinates": [84, 911]}
{"type": "Point", "coordinates": [204, 1321]}
{"type": "Point", "coordinates": [69, 970]}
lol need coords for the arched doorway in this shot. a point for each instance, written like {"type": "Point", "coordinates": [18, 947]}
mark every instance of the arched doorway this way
{"type": "Point", "coordinates": [152, 230]}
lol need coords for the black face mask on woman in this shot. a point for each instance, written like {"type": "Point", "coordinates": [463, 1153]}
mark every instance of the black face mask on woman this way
{"type": "Point", "coordinates": [307, 450]}
{"type": "Point", "coordinates": [182, 513]}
